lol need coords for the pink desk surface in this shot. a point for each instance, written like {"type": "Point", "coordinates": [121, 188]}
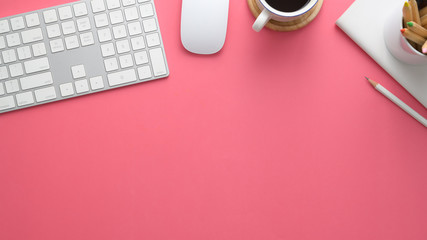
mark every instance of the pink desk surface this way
{"type": "Point", "coordinates": [277, 137]}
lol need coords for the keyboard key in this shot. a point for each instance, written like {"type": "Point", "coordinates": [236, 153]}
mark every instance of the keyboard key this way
{"type": "Point", "coordinates": [68, 27]}
{"type": "Point", "coordinates": [25, 98]}
{"type": "Point", "coordinates": [149, 25]}
{"type": "Point", "coordinates": [32, 35]}
{"type": "Point", "coordinates": [101, 20]}
{"type": "Point", "coordinates": [53, 31]}
{"type": "Point", "coordinates": [158, 61]}
{"type": "Point", "coordinates": [144, 72]}
{"type": "Point", "coordinates": [2, 92]}
{"type": "Point", "coordinates": [9, 56]}
{"type": "Point", "coordinates": [80, 9]}
{"type": "Point", "coordinates": [82, 86]}
{"type": "Point", "coordinates": [128, 2]}
{"type": "Point", "coordinates": [131, 14]}
{"type": "Point", "coordinates": [36, 65]}
{"type": "Point", "coordinates": [141, 57]}
{"type": "Point", "coordinates": [104, 35]}
{"type": "Point", "coordinates": [71, 42]}
{"type": "Point", "coordinates": [153, 40]}
{"type": "Point", "coordinates": [56, 45]}
{"type": "Point", "coordinates": [113, 4]}
{"type": "Point", "coordinates": [7, 103]}
{"type": "Point", "coordinates": [4, 26]}
{"type": "Point", "coordinates": [17, 23]}
{"type": "Point", "coordinates": [122, 77]}
{"type": "Point", "coordinates": [146, 10]}
{"type": "Point", "coordinates": [126, 61]}
{"type": "Point", "coordinates": [87, 39]}
{"type": "Point", "coordinates": [45, 94]}
{"type": "Point", "coordinates": [123, 46]}
{"type": "Point", "coordinates": [50, 16]}
{"type": "Point", "coordinates": [66, 89]}
{"type": "Point", "coordinates": [119, 32]}
{"type": "Point", "coordinates": [37, 80]}
{"type": "Point", "coordinates": [13, 40]}
{"type": "Point", "coordinates": [11, 86]}
{"type": "Point", "coordinates": [83, 24]}
{"type": "Point", "coordinates": [97, 6]}
{"type": "Point", "coordinates": [2, 42]}
{"type": "Point", "coordinates": [78, 71]}
{"type": "Point", "coordinates": [134, 28]}
{"type": "Point", "coordinates": [96, 83]}
{"type": "Point", "coordinates": [107, 50]}
{"type": "Point", "coordinates": [3, 72]}
{"type": "Point", "coordinates": [32, 20]}
{"type": "Point", "coordinates": [39, 49]}
{"type": "Point", "coordinates": [24, 53]}
{"type": "Point", "coordinates": [16, 70]}
{"type": "Point", "coordinates": [116, 17]}
{"type": "Point", "coordinates": [65, 13]}
{"type": "Point", "coordinates": [138, 43]}
{"type": "Point", "coordinates": [111, 64]}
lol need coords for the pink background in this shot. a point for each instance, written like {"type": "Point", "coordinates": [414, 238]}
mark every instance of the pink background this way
{"type": "Point", "coordinates": [278, 136]}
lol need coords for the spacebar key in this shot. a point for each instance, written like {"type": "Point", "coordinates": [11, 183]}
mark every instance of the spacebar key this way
{"type": "Point", "coordinates": [121, 77]}
{"type": "Point", "coordinates": [6, 103]}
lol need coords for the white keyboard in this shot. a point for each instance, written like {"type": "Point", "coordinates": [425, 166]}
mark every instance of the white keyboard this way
{"type": "Point", "coordinates": [76, 49]}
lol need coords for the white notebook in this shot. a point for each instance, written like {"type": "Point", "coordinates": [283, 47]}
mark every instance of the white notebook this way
{"type": "Point", "coordinates": [363, 22]}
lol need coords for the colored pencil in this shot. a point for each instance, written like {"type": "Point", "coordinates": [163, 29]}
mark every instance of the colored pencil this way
{"type": "Point", "coordinates": [407, 13]}
{"type": "Point", "coordinates": [408, 34]}
{"type": "Point", "coordinates": [398, 102]}
{"type": "Point", "coordinates": [415, 11]}
{"type": "Point", "coordinates": [424, 48]}
{"type": "Point", "coordinates": [424, 21]}
{"type": "Point", "coordinates": [423, 11]}
{"type": "Point", "coordinates": [418, 29]}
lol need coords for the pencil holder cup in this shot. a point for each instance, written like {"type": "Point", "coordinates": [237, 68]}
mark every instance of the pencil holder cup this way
{"type": "Point", "coordinates": [396, 44]}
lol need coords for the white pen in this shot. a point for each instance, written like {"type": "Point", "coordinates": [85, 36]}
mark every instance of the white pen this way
{"type": "Point", "coordinates": [398, 102]}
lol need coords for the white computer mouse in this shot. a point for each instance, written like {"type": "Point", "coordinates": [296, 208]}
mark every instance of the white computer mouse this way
{"type": "Point", "coordinates": [204, 25]}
